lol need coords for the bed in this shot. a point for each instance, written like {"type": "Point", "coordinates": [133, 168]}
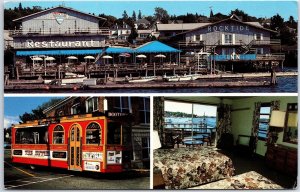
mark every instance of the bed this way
{"type": "Point", "coordinates": [188, 167]}
{"type": "Point", "coordinates": [248, 180]}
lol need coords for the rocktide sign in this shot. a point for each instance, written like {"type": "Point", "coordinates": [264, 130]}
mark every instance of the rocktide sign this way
{"type": "Point", "coordinates": [228, 28]}
{"type": "Point", "coordinates": [60, 44]}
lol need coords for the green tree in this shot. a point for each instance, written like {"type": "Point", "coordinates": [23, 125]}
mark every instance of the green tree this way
{"type": "Point", "coordinates": [125, 15]}
{"type": "Point", "coordinates": [20, 7]}
{"type": "Point", "coordinates": [133, 16]}
{"type": "Point", "coordinates": [37, 113]}
{"type": "Point", "coordinates": [140, 15]}
{"type": "Point", "coordinates": [277, 22]}
{"type": "Point", "coordinates": [161, 14]}
{"type": "Point", "coordinates": [133, 35]}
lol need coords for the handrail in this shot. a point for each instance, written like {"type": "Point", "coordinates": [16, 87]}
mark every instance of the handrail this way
{"type": "Point", "coordinates": [103, 31]}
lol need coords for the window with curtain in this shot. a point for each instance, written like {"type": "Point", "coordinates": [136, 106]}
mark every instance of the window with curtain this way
{"type": "Point", "coordinates": [228, 39]}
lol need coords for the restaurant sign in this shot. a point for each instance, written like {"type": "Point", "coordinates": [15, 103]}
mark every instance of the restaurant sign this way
{"type": "Point", "coordinates": [228, 28]}
{"type": "Point", "coordinates": [59, 44]}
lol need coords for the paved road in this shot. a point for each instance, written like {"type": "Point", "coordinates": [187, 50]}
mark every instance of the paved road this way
{"type": "Point", "coordinates": [17, 176]}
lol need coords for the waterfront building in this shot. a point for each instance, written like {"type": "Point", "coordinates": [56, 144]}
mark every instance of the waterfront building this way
{"type": "Point", "coordinates": [59, 32]}
{"type": "Point", "coordinates": [230, 42]}
{"type": "Point", "coordinates": [138, 129]}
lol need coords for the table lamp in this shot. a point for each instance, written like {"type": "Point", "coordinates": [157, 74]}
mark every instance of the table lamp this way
{"type": "Point", "coordinates": [276, 124]}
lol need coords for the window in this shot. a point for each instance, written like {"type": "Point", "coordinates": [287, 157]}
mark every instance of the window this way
{"type": "Point", "coordinates": [58, 135]}
{"type": "Point", "coordinates": [198, 38]}
{"type": "Point", "coordinates": [93, 133]}
{"type": "Point", "coordinates": [145, 147]}
{"type": "Point", "coordinates": [144, 106]}
{"type": "Point", "coordinates": [259, 51]}
{"type": "Point", "coordinates": [114, 133]}
{"type": "Point", "coordinates": [122, 104]}
{"type": "Point", "coordinates": [264, 119]}
{"type": "Point", "coordinates": [228, 39]}
{"type": "Point", "coordinates": [258, 36]}
{"type": "Point", "coordinates": [32, 135]}
{"type": "Point", "coordinates": [92, 104]}
{"type": "Point", "coordinates": [75, 109]}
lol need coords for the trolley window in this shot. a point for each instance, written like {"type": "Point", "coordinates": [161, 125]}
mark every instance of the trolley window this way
{"type": "Point", "coordinates": [58, 135]}
{"type": "Point", "coordinates": [93, 134]}
{"type": "Point", "coordinates": [32, 135]}
{"type": "Point", "coordinates": [114, 133]}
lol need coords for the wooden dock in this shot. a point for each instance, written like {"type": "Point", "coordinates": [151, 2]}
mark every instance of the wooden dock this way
{"type": "Point", "coordinates": [149, 85]}
{"type": "Point", "coordinates": [204, 81]}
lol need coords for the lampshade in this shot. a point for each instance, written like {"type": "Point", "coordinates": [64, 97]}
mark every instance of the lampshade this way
{"type": "Point", "coordinates": [292, 120]}
{"type": "Point", "coordinates": [156, 141]}
{"type": "Point", "coordinates": [277, 118]}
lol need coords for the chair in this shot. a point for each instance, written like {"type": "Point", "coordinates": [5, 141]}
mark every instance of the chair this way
{"type": "Point", "coordinates": [169, 140]}
{"type": "Point", "coordinates": [246, 145]}
{"type": "Point", "coordinates": [225, 142]}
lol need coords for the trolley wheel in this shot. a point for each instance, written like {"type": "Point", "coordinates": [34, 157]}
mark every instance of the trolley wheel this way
{"type": "Point", "coordinates": [32, 167]}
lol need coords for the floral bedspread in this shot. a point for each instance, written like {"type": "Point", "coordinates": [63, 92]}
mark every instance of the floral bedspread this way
{"type": "Point", "coordinates": [187, 167]}
{"type": "Point", "coordinates": [249, 180]}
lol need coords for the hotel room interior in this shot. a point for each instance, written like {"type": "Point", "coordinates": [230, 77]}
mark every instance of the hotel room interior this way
{"type": "Point", "coordinates": [247, 143]}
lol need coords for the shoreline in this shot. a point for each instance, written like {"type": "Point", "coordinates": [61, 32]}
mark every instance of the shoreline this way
{"type": "Point", "coordinates": [204, 81]}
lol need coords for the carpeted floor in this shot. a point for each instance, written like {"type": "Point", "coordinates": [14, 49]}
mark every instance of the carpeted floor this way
{"type": "Point", "coordinates": [244, 163]}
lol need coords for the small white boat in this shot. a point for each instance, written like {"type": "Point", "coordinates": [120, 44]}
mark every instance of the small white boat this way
{"type": "Point", "coordinates": [181, 78]}
{"type": "Point", "coordinates": [71, 78]}
{"type": "Point", "coordinates": [171, 78]}
{"type": "Point", "coordinates": [142, 79]}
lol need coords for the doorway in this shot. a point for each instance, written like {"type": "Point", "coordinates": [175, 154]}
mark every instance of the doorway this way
{"type": "Point", "coordinates": [75, 138]}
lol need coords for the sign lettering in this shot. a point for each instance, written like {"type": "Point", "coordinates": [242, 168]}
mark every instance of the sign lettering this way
{"type": "Point", "coordinates": [228, 28]}
{"type": "Point", "coordinates": [59, 44]}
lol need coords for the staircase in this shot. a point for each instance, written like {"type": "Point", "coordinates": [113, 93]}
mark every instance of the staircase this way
{"type": "Point", "coordinates": [243, 49]}
{"type": "Point", "coordinates": [97, 59]}
{"type": "Point", "coordinates": [210, 48]}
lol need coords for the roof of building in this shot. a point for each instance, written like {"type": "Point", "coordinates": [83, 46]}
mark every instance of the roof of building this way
{"type": "Point", "coordinates": [58, 104]}
{"type": "Point", "coordinates": [155, 47]}
{"type": "Point", "coordinates": [179, 26]}
{"type": "Point", "coordinates": [175, 21]}
{"type": "Point", "coordinates": [67, 8]}
{"type": "Point", "coordinates": [117, 26]}
{"type": "Point", "coordinates": [253, 24]}
{"type": "Point", "coordinates": [144, 31]}
{"type": "Point", "coordinates": [60, 52]}
{"type": "Point", "coordinates": [113, 50]}
{"type": "Point", "coordinates": [142, 21]}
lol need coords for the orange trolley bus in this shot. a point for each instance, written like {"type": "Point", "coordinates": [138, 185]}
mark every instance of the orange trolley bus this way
{"type": "Point", "coordinates": [89, 142]}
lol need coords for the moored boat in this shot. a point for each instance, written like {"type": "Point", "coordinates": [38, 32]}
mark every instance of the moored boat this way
{"type": "Point", "coordinates": [142, 79]}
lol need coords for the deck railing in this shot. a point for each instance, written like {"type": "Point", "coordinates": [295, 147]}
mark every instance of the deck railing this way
{"type": "Point", "coordinates": [188, 127]}
{"type": "Point", "coordinates": [247, 57]}
{"type": "Point", "coordinates": [99, 31]}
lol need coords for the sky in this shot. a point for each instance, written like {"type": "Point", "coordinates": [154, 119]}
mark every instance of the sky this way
{"type": "Point", "coordinates": [265, 8]}
{"type": "Point", "coordinates": [209, 110]}
{"type": "Point", "coordinates": [15, 106]}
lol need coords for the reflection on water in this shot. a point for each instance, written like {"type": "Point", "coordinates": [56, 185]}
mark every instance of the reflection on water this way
{"type": "Point", "coordinates": [285, 84]}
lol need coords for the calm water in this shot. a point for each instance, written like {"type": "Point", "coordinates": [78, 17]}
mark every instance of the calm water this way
{"type": "Point", "coordinates": [211, 122]}
{"type": "Point", "coordinates": [285, 84]}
